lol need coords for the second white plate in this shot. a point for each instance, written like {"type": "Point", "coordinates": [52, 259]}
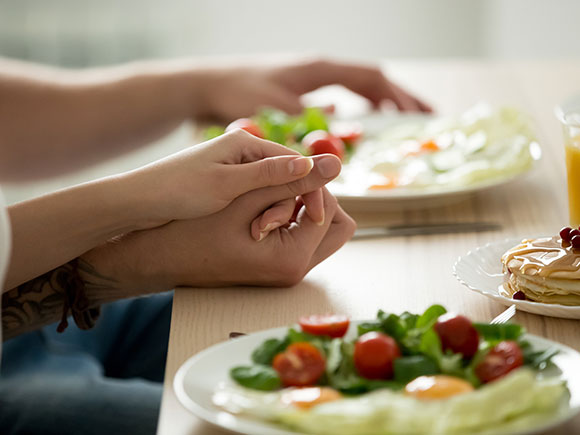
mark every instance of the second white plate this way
{"type": "Point", "coordinates": [480, 270]}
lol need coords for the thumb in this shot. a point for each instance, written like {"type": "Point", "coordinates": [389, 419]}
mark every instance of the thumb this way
{"type": "Point", "coordinates": [270, 171]}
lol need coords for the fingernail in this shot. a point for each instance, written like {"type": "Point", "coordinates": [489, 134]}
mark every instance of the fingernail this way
{"type": "Point", "coordinates": [328, 167]}
{"type": "Point", "coordinates": [320, 223]}
{"type": "Point", "coordinates": [263, 234]}
{"type": "Point", "coordinates": [301, 165]}
{"type": "Point", "coordinates": [271, 226]}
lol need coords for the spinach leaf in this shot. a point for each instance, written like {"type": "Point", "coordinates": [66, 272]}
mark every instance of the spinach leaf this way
{"type": "Point", "coordinates": [265, 353]}
{"type": "Point", "coordinates": [538, 359]}
{"type": "Point", "coordinates": [499, 332]}
{"type": "Point", "coordinates": [408, 368]}
{"type": "Point", "coordinates": [257, 377]}
{"type": "Point", "coordinates": [213, 132]}
{"type": "Point", "coordinates": [448, 363]}
{"type": "Point", "coordinates": [430, 316]}
{"type": "Point", "coordinates": [365, 327]}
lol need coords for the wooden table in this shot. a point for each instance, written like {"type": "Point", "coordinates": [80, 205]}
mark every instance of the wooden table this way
{"type": "Point", "coordinates": [406, 273]}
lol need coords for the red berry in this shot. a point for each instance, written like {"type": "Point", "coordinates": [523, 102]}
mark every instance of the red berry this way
{"type": "Point", "coordinates": [573, 233]}
{"type": "Point", "coordinates": [565, 234]}
{"type": "Point", "coordinates": [575, 241]}
{"type": "Point", "coordinates": [519, 295]}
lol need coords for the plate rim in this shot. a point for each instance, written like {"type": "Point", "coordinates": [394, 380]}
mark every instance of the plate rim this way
{"type": "Point", "coordinates": [497, 296]}
{"type": "Point", "coordinates": [233, 420]}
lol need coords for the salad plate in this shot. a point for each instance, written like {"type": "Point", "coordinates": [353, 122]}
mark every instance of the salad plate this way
{"type": "Point", "coordinates": [406, 160]}
{"type": "Point", "coordinates": [206, 375]}
{"type": "Point", "coordinates": [479, 149]}
{"type": "Point", "coordinates": [480, 270]}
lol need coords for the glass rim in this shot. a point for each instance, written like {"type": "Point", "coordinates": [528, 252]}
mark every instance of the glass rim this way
{"type": "Point", "coordinates": [569, 106]}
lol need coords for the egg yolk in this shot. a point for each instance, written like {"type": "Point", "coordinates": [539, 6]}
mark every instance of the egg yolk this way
{"type": "Point", "coordinates": [306, 398]}
{"type": "Point", "coordinates": [437, 387]}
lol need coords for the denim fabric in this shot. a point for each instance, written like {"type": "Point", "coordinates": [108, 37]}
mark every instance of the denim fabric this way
{"type": "Point", "coordinates": [104, 381]}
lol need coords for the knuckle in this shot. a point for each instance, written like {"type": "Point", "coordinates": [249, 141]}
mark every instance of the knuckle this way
{"type": "Point", "coordinates": [268, 170]}
{"type": "Point", "coordinates": [297, 187]}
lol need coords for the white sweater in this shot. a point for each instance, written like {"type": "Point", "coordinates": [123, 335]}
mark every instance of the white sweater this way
{"type": "Point", "coordinates": [5, 242]}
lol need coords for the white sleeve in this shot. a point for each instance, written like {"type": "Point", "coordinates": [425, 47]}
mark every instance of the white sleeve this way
{"type": "Point", "coordinates": [5, 242]}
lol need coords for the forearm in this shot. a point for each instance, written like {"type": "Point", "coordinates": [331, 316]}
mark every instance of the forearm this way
{"type": "Point", "coordinates": [108, 273]}
{"type": "Point", "coordinates": [53, 229]}
{"type": "Point", "coordinates": [51, 119]}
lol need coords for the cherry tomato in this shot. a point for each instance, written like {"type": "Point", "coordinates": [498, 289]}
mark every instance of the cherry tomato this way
{"type": "Point", "coordinates": [437, 387]}
{"type": "Point", "coordinates": [501, 359]}
{"type": "Point", "coordinates": [374, 353]}
{"type": "Point", "coordinates": [322, 142]}
{"type": "Point", "coordinates": [332, 325]}
{"type": "Point", "coordinates": [248, 125]}
{"type": "Point", "coordinates": [458, 334]}
{"type": "Point", "coordinates": [348, 132]}
{"type": "Point", "coordinates": [300, 365]}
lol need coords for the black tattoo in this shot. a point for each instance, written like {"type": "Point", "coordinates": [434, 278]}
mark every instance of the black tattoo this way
{"type": "Point", "coordinates": [42, 300]}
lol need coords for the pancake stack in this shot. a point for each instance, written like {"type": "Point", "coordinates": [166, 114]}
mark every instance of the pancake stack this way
{"type": "Point", "coordinates": [545, 270]}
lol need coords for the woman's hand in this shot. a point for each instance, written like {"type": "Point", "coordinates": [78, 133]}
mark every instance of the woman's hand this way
{"type": "Point", "coordinates": [218, 250]}
{"type": "Point", "coordinates": [205, 178]}
{"type": "Point", "coordinates": [232, 92]}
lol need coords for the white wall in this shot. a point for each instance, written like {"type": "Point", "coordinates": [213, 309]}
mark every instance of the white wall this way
{"type": "Point", "coordinates": [84, 32]}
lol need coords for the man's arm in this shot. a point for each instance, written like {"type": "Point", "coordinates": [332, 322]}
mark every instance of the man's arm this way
{"type": "Point", "coordinates": [41, 301]}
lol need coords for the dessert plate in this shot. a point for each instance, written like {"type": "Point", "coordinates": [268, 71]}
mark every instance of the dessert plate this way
{"type": "Point", "coordinates": [480, 270]}
{"type": "Point", "coordinates": [201, 375]}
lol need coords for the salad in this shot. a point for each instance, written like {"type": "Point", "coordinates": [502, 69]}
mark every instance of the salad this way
{"type": "Point", "coordinates": [309, 133]}
{"type": "Point", "coordinates": [431, 373]}
{"type": "Point", "coordinates": [416, 152]}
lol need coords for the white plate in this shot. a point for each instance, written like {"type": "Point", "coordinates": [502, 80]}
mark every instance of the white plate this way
{"type": "Point", "coordinates": [481, 271]}
{"type": "Point", "coordinates": [199, 377]}
{"type": "Point", "coordinates": [420, 197]}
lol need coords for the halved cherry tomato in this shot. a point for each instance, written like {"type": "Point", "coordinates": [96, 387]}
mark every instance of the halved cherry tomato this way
{"type": "Point", "coordinates": [300, 365]}
{"type": "Point", "coordinates": [348, 132]}
{"type": "Point", "coordinates": [248, 125]}
{"type": "Point", "coordinates": [374, 353]}
{"type": "Point", "coordinates": [332, 325]}
{"type": "Point", "coordinates": [458, 334]}
{"type": "Point", "coordinates": [501, 359]}
{"type": "Point", "coordinates": [322, 142]}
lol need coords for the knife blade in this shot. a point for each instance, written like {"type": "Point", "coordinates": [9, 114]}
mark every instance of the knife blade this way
{"type": "Point", "coordinates": [424, 229]}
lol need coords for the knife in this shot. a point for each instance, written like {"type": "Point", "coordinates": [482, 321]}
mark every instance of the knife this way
{"type": "Point", "coordinates": [424, 229]}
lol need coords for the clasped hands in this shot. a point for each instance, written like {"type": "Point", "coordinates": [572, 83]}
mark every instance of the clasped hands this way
{"type": "Point", "coordinates": [236, 210]}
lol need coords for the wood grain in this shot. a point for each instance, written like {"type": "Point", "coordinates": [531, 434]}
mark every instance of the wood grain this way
{"type": "Point", "coordinates": [406, 273]}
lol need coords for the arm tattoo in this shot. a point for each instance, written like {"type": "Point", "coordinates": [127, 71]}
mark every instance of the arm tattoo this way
{"type": "Point", "coordinates": [41, 300]}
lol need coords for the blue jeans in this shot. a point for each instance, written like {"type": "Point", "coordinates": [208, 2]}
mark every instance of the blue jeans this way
{"type": "Point", "coordinates": [104, 381]}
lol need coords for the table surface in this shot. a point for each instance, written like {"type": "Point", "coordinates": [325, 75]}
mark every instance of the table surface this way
{"type": "Point", "coordinates": [405, 273]}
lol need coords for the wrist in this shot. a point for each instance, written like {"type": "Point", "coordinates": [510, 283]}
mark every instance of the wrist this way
{"type": "Point", "coordinates": [121, 268]}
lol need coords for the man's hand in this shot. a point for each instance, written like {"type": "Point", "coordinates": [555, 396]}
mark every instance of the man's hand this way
{"type": "Point", "coordinates": [219, 250]}
{"type": "Point", "coordinates": [234, 92]}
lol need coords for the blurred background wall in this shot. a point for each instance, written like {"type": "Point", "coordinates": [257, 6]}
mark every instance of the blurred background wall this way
{"type": "Point", "coordinates": [80, 33]}
{"type": "Point", "coordinates": [87, 32]}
